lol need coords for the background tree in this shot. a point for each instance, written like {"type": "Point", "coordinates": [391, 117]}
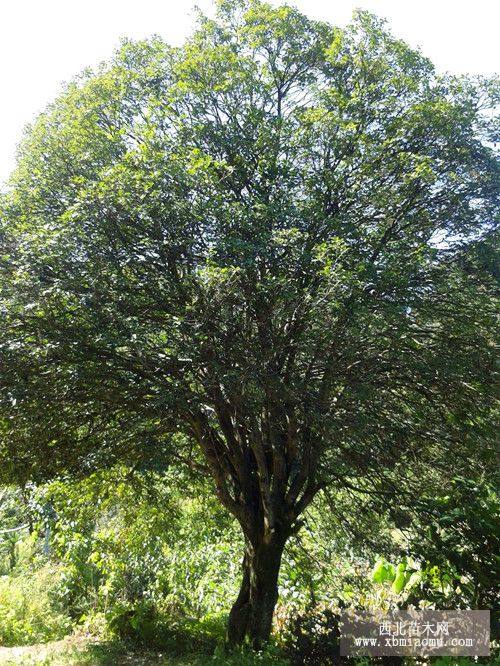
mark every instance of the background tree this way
{"type": "Point", "coordinates": [250, 255]}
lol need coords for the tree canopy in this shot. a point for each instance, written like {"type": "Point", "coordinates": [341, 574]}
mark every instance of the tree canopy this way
{"type": "Point", "coordinates": [265, 254]}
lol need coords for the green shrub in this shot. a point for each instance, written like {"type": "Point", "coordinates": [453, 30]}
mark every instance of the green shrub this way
{"type": "Point", "coordinates": [28, 611]}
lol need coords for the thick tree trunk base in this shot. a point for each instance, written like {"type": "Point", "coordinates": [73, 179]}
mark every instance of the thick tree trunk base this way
{"type": "Point", "coordinates": [240, 612]}
{"type": "Point", "coordinates": [251, 616]}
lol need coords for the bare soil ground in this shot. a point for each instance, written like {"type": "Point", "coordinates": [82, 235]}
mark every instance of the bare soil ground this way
{"type": "Point", "coordinates": [84, 651]}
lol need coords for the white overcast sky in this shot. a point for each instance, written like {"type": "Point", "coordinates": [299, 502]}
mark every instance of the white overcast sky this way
{"type": "Point", "coordinates": [46, 42]}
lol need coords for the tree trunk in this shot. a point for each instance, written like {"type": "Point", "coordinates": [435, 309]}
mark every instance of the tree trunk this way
{"type": "Point", "coordinates": [252, 613]}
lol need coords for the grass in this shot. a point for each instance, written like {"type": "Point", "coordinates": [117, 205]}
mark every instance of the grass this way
{"type": "Point", "coordinates": [84, 651]}
{"type": "Point", "coordinates": [69, 652]}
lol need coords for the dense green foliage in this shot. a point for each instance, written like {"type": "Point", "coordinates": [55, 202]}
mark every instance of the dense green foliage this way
{"type": "Point", "coordinates": [261, 263]}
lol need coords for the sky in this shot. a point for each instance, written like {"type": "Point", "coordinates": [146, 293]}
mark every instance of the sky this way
{"type": "Point", "coordinates": [46, 42]}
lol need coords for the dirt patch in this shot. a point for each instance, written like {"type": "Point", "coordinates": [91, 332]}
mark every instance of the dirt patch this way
{"type": "Point", "coordinates": [43, 652]}
{"type": "Point", "coordinates": [84, 650]}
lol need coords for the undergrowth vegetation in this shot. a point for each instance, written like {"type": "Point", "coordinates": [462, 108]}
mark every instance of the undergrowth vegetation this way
{"type": "Point", "coordinates": [29, 612]}
{"type": "Point", "coordinates": [128, 560]}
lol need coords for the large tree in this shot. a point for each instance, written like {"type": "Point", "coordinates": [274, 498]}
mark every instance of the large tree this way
{"type": "Point", "coordinates": [255, 254]}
